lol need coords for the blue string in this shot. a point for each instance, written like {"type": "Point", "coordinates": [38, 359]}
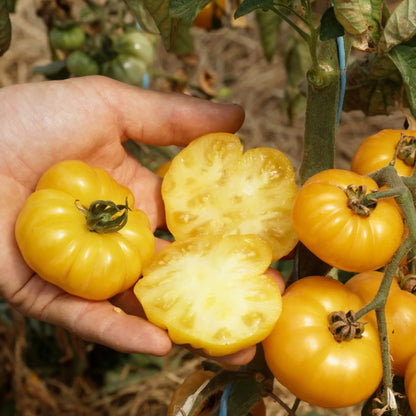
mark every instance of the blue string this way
{"type": "Point", "coordinates": [224, 401]}
{"type": "Point", "coordinates": [343, 76]}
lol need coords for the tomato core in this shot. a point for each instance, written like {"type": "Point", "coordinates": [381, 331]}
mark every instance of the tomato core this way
{"type": "Point", "coordinates": [105, 216]}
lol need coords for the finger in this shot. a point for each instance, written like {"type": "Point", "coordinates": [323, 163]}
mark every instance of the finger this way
{"type": "Point", "coordinates": [241, 357]}
{"type": "Point", "coordinates": [167, 118]}
{"type": "Point", "coordinates": [95, 321]}
{"type": "Point", "coordinates": [277, 277]}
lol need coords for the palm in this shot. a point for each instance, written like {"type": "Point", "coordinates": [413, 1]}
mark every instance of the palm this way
{"type": "Point", "coordinates": [88, 119]}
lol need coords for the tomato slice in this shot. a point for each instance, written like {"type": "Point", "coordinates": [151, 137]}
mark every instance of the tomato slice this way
{"type": "Point", "coordinates": [211, 292]}
{"type": "Point", "coordinates": [212, 187]}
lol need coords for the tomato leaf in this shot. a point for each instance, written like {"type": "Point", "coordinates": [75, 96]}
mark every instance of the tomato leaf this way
{"type": "Point", "coordinates": [269, 27]}
{"type": "Point", "coordinates": [245, 394]}
{"type": "Point", "coordinates": [400, 26]}
{"type": "Point", "coordinates": [350, 14]}
{"type": "Point", "coordinates": [360, 18]}
{"type": "Point", "coordinates": [404, 57]}
{"type": "Point", "coordinates": [247, 6]}
{"type": "Point", "coordinates": [185, 9]}
{"type": "Point", "coordinates": [330, 27]}
{"type": "Point", "coordinates": [160, 13]}
{"type": "Point", "coordinates": [5, 27]}
{"type": "Point", "coordinates": [372, 85]}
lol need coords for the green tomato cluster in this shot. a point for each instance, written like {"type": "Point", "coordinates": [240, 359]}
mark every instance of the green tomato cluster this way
{"type": "Point", "coordinates": [126, 57]}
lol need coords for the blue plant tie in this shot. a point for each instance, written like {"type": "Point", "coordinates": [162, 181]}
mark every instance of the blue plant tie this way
{"type": "Point", "coordinates": [146, 80]}
{"type": "Point", "coordinates": [343, 75]}
{"type": "Point", "coordinates": [224, 400]}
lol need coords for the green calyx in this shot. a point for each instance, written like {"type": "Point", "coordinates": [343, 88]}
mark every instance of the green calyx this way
{"type": "Point", "coordinates": [105, 216]}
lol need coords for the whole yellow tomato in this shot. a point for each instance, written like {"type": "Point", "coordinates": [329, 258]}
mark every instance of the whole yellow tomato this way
{"type": "Point", "coordinates": [213, 187]}
{"type": "Point", "coordinates": [305, 356]}
{"type": "Point", "coordinates": [212, 292]}
{"type": "Point", "coordinates": [331, 223]}
{"type": "Point", "coordinates": [400, 313]}
{"type": "Point", "coordinates": [410, 383]}
{"type": "Point", "coordinates": [379, 150]}
{"type": "Point", "coordinates": [79, 230]}
{"type": "Point", "coordinates": [207, 18]}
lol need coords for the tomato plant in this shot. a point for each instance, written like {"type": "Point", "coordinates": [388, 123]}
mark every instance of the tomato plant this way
{"type": "Point", "coordinates": [212, 292]}
{"type": "Point", "coordinates": [335, 217]}
{"type": "Point", "coordinates": [380, 149]}
{"type": "Point", "coordinates": [400, 315]}
{"type": "Point", "coordinates": [212, 187]}
{"type": "Point", "coordinates": [80, 231]}
{"type": "Point", "coordinates": [185, 395]}
{"type": "Point", "coordinates": [410, 383]}
{"type": "Point", "coordinates": [304, 355]}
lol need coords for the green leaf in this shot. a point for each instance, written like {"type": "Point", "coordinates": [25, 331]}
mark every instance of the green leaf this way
{"type": "Point", "coordinates": [245, 394]}
{"type": "Point", "coordinates": [350, 15]}
{"type": "Point", "coordinates": [400, 26]}
{"type": "Point", "coordinates": [404, 57]}
{"type": "Point", "coordinates": [360, 18]}
{"type": "Point", "coordinates": [5, 27]}
{"type": "Point", "coordinates": [248, 6]}
{"type": "Point", "coordinates": [269, 28]}
{"type": "Point", "coordinates": [159, 10]}
{"type": "Point", "coordinates": [330, 27]}
{"type": "Point", "coordinates": [183, 42]}
{"type": "Point", "coordinates": [372, 85]}
{"type": "Point", "coordinates": [186, 10]}
{"type": "Point", "coordinates": [53, 70]}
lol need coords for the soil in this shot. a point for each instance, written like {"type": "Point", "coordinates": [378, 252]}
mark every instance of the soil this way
{"type": "Point", "coordinates": [229, 59]}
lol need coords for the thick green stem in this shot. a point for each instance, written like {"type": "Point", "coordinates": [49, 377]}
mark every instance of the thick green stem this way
{"type": "Point", "coordinates": [321, 113]}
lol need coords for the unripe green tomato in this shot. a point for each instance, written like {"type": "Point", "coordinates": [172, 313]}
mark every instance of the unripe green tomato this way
{"type": "Point", "coordinates": [125, 68]}
{"type": "Point", "coordinates": [136, 44]}
{"type": "Point", "coordinates": [80, 64]}
{"type": "Point", "coordinates": [67, 39]}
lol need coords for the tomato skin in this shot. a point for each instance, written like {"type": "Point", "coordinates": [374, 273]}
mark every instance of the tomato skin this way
{"type": "Point", "coordinates": [303, 355]}
{"type": "Point", "coordinates": [410, 383]}
{"type": "Point", "coordinates": [55, 242]}
{"type": "Point", "coordinates": [378, 150]}
{"type": "Point", "coordinates": [205, 19]}
{"type": "Point", "coordinates": [333, 232]}
{"type": "Point", "coordinates": [400, 316]}
{"type": "Point", "coordinates": [135, 44]}
{"type": "Point", "coordinates": [67, 39]}
{"type": "Point", "coordinates": [80, 64]}
{"type": "Point", "coordinates": [125, 68]}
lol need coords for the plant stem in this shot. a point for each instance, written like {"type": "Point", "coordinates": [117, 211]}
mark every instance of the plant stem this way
{"type": "Point", "coordinates": [321, 112]}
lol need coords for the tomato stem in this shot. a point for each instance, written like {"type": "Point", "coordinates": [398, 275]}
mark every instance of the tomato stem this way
{"type": "Point", "coordinates": [105, 216]}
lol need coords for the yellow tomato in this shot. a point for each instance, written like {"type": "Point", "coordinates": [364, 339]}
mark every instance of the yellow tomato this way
{"type": "Point", "coordinates": [400, 316]}
{"type": "Point", "coordinates": [410, 383]}
{"type": "Point", "coordinates": [379, 150]}
{"type": "Point", "coordinates": [211, 292]}
{"type": "Point", "coordinates": [79, 230]}
{"type": "Point", "coordinates": [304, 355]}
{"type": "Point", "coordinates": [332, 223]}
{"type": "Point", "coordinates": [212, 187]}
{"type": "Point", "coordinates": [208, 17]}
